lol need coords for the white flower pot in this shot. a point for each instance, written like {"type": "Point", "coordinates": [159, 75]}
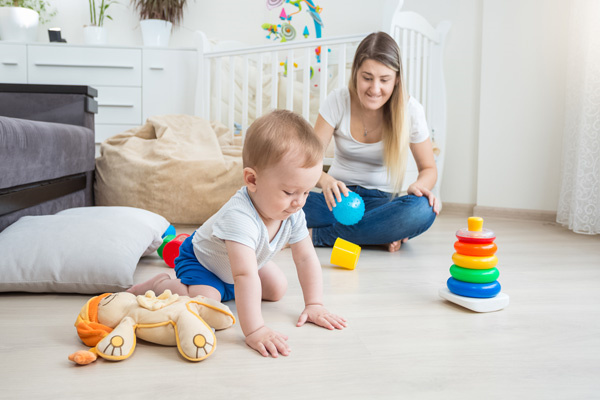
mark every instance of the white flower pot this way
{"type": "Point", "coordinates": [18, 24]}
{"type": "Point", "coordinates": [94, 35]}
{"type": "Point", "coordinates": [156, 32]}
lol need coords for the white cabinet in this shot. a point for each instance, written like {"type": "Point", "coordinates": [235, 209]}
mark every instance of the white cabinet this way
{"type": "Point", "coordinates": [133, 83]}
{"type": "Point", "coordinates": [13, 63]}
{"type": "Point", "coordinates": [168, 81]}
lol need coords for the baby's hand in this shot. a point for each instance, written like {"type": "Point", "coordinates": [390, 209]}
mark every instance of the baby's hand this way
{"type": "Point", "coordinates": [317, 314]}
{"type": "Point", "coordinates": [268, 342]}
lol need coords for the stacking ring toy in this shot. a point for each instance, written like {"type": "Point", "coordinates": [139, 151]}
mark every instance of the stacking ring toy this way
{"type": "Point", "coordinates": [475, 232]}
{"type": "Point", "coordinates": [474, 275]}
{"type": "Point", "coordinates": [474, 262]}
{"type": "Point", "coordinates": [475, 249]}
{"type": "Point", "coordinates": [479, 290]}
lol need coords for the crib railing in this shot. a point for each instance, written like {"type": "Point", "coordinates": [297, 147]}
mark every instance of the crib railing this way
{"type": "Point", "coordinates": [422, 52]}
{"type": "Point", "coordinates": [236, 86]}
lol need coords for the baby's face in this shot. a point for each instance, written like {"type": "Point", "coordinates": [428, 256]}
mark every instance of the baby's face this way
{"type": "Point", "coordinates": [282, 189]}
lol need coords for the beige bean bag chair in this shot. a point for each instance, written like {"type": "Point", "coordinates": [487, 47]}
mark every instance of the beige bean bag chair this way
{"type": "Point", "coordinates": [179, 166]}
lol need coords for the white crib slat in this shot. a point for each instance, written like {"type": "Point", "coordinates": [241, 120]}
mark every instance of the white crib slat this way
{"type": "Point", "coordinates": [231, 99]}
{"type": "Point", "coordinates": [259, 85]}
{"type": "Point", "coordinates": [430, 74]}
{"type": "Point", "coordinates": [245, 95]}
{"type": "Point", "coordinates": [274, 69]}
{"type": "Point", "coordinates": [306, 85]}
{"type": "Point", "coordinates": [218, 93]}
{"type": "Point", "coordinates": [206, 105]}
{"type": "Point", "coordinates": [289, 103]}
{"type": "Point", "coordinates": [426, 76]}
{"type": "Point", "coordinates": [404, 54]}
{"type": "Point", "coordinates": [418, 68]}
{"type": "Point", "coordinates": [342, 66]}
{"type": "Point", "coordinates": [411, 62]}
{"type": "Point", "coordinates": [324, 73]}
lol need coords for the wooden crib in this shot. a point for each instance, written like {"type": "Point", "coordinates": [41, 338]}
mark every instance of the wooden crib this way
{"type": "Point", "coordinates": [237, 83]}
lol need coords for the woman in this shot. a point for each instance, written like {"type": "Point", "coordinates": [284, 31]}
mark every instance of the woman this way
{"type": "Point", "coordinates": [374, 123]}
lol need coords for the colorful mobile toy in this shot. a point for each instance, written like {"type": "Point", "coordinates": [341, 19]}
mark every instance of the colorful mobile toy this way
{"type": "Point", "coordinates": [474, 281]}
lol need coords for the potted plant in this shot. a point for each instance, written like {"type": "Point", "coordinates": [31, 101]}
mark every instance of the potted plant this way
{"type": "Point", "coordinates": [157, 19]}
{"type": "Point", "coordinates": [19, 19]}
{"type": "Point", "coordinates": [95, 33]}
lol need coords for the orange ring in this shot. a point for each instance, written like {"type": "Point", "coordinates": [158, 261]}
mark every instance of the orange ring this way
{"type": "Point", "coordinates": [475, 249]}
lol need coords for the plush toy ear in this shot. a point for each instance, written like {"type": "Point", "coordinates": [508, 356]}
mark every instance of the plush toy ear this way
{"type": "Point", "coordinates": [195, 338]}
{"type": "Point", "coordinates": [120, 343]}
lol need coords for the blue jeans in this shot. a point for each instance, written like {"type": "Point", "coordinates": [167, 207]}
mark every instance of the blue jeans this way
{"type": "Point", "coordinates": [386, 219]}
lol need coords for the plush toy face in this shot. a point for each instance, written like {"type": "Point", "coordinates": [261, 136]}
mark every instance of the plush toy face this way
{"type": "Point", "coordinates": [113, 321]}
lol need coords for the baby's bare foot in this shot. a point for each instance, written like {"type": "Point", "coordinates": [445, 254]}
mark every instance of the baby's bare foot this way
{"type": "Point", "coordinates": [142, 288]}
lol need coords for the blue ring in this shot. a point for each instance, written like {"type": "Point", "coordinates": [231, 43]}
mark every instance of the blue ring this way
{"type": "Point", "coordinates": [478, 290]}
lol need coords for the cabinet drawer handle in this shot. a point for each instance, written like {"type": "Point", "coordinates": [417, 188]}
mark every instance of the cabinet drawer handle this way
{"type": "Point", "coordinates": [83, 65]}
{"type": "Point", "coordinates": [10, 63]}
{"type": "Point", "coordinates": [116, 105]}
{"type": "Point", "coordinates": [157, 68]}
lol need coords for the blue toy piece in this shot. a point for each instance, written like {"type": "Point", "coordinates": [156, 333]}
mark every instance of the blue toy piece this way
{"type": "Point", "coordinates": [479, 290]}
{"type": "Point", "coordinates": [170, 231]}
{"type": "Point", "coordinates": [350, 210]}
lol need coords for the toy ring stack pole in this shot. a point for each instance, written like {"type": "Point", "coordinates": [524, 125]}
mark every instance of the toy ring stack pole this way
{"type": "Point", "coordinates": [474, 281]}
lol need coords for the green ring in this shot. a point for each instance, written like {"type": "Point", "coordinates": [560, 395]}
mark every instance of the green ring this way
{"type": "Point", "coordinates": [166, 240]}
{"type": "Point", "coordinates": [474, 275]}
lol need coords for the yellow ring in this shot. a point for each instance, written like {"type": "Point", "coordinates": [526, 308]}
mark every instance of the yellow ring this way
{"type": "Point", "coordinates": [474, 262]}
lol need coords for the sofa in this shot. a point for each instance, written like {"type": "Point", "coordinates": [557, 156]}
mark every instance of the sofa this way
{"type": "Point", "coordinates": [47, 151]}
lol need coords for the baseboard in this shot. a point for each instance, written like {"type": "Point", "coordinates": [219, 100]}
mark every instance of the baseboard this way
{"type": "Point", "coordinates": [460, 209]}
{"type": "Point", "coordinates": [515, 213]}
{"type": "Point", "coordinates": [468, 210]}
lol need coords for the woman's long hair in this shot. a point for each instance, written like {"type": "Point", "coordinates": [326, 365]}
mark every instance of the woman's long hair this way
{"type": "Point", "coordinates": [381, 47]}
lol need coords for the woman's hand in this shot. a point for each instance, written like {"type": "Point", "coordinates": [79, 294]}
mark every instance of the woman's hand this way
{"type": "Point", "coordinates": [418, 190]}
{"type": "Point", "coordinates": [268, 342]}
{"type": "Point", "coordinates": [318, 315]}
{"type": "Point", "coordinates": [332, 190]}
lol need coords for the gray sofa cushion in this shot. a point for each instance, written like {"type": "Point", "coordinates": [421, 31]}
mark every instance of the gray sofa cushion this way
{"type": "Point", "coordinates": [32, 151]}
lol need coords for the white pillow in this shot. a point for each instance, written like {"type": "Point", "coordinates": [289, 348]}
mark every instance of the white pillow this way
{"type": "Point", "coordinates": [80, 250]}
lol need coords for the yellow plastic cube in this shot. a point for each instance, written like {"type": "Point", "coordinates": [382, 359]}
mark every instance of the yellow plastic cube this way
{"type": "Point", "coordinates": [345, 254]}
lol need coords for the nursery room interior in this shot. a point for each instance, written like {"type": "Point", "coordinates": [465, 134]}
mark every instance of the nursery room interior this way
{"type": "Point", "coordinates": [121, 133]}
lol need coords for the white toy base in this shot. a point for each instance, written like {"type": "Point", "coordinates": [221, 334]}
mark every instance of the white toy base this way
{"type": "Point", "coordinates": [479, 305]}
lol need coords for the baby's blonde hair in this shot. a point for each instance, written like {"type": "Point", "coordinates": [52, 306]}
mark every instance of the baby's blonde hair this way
{"type": "Point", "coordinates": [277, 133]}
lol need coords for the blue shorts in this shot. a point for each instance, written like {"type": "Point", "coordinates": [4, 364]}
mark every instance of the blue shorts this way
{"type": "Point", "coordinates": [190, 272]}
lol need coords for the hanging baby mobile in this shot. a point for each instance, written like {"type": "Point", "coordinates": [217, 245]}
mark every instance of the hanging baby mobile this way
{"type": "Point", "coordinates": [285, 31]}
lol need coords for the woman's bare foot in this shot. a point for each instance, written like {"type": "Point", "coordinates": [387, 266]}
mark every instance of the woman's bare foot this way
{"type": "Point", "coordinates": [395, 246]}
{"type": "Point", "coordinates": [142, 288]}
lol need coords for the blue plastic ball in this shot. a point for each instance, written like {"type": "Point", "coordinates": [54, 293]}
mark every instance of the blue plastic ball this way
{"type": "Point", "coordinates": [350, 210]}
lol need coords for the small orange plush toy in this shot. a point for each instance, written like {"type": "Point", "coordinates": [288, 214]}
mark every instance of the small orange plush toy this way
{"type": "Point", "coordinates": [110, 323]}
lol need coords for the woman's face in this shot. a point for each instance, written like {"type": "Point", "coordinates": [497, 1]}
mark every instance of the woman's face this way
{"type": "Point", "coordinates": [375, 84]}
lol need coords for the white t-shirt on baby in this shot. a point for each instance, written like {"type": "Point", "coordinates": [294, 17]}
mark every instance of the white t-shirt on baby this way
{"type": "Point", "coordinates": [358, 163]}
{"type": "Point", "coordinates": [239, 221]}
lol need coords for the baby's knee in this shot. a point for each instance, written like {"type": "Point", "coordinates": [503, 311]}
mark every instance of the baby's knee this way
{"type": "Point", "coordinates": [275, 292]}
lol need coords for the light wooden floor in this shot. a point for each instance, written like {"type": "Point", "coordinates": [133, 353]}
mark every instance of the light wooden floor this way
{"type": "Point", "coordinates": [403, 341]}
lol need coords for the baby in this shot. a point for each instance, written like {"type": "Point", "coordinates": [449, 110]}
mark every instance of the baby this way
{"type": "Point", "coordinates": [229, 256]}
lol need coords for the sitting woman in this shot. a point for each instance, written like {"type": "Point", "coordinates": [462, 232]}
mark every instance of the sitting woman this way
{"type": "Point", "coordinates": [374, 123]}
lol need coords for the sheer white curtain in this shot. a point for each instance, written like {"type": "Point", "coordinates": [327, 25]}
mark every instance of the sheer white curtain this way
{"type": "Point", "coordinates": [579, 202]}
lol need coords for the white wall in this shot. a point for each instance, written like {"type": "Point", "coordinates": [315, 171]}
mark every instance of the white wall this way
{"type": "Point", "coordinates": [505, 64]}
{"type": "Point", "coordinates": [523, 72]}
